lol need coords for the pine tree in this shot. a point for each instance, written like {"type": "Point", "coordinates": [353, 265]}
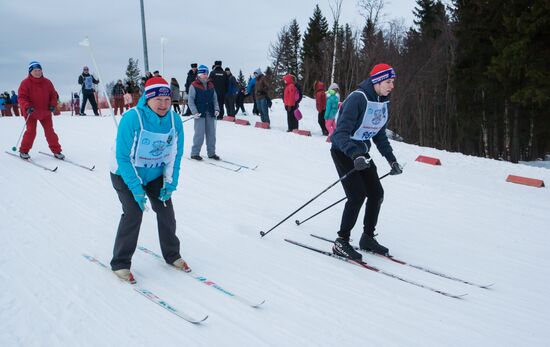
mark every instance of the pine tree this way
{"type": "Point", "coordinates": [313, 46]}
{"type": "Point", "coordinates": [241, 82]}
{"type": "Point", "coordinates": [132, 72]}
{"type": "Point", "coordinates": [294, 48]}
{"type": "Point", "coordinates": [431, 15]}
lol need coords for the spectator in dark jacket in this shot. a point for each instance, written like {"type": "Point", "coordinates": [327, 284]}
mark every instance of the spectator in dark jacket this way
{"type": "Point", "coordinates": [191, 77]}
{"type": "Point", "coordinates": [231, 95]}
{"type": "Point", "coordinates": [118, 96]}
{"type": "Point", "coordinates": [87, 82]}
{"type": "Point", "coordinates": [176, 95]}
{"type": "Point", "coordinates": [220, 81]}
{"type": "Point", "coordinates": [363, 116]}
{"type": "Point", "coordinates": [261, 91]}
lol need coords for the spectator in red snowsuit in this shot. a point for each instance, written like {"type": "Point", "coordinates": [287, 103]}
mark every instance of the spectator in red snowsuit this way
{"type": "Point", "coordinates": [289, 99]}
{"type": "Point", "coordinates": [38, 98]}
{"type": "Point", "coordinates": [320, 103]}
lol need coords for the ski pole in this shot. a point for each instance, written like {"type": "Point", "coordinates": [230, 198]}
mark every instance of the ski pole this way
{"type": "Point", "coordinates": [14, 148]}
{"type": "Point", "coordinates": [326, 208]}
{"type": "Point", "coordinates": [263, 233]}
{"type": "Point", "coordinates": [187, 120]}
{"type": "Point", "coordinates": [323, 210]}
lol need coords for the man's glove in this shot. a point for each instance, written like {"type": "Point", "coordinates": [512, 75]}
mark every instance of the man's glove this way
{"type": "Point", "coordinates": [52, 109]}
{"type": "Point", "coordinates": [396, 169]}
{"type": "Point", "coordinates": [216, 113]}
{"type": "Point", "coordinates": [30, 110]}
{"type": "Point", "coordinates": [361, 162]}
{"type": "Point", "coordinates": [197, 115]}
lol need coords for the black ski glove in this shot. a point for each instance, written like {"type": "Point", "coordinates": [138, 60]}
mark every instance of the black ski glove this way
{"type": "Point", "coordinates": [361, 162]}
{"type": "Point", "coordinates": [396, 169]}
{"type": "Point", "coordinates": [52, 109]}
{"type": "Point", "coordinates": [30, 110]}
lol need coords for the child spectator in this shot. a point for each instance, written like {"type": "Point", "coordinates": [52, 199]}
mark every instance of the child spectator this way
{"type": "Point", "coordinates": [330, 112]}
{"type": "Point", "coordinates": [240, 101]}
{"type": "Point", "coordinates": [320, 103]}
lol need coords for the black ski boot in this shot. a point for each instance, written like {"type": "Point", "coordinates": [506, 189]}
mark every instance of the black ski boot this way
{"type": "Point", "coordinates": [343, 248]}
{"type": "Point", "coordinates": [369, 243]}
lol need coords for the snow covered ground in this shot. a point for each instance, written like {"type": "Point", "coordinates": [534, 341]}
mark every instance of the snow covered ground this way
{"type": "Point", "coordinates": [460, 218]}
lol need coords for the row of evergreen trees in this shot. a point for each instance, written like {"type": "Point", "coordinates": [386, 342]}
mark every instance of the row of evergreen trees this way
{"type": "Point", "coordinates": [472, 77]}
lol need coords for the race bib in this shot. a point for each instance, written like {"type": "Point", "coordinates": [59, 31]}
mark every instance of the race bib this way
{"type": "Point", "coordinates": [374, 119]}
{"type": "Point", "coordinates": [155, 149]}
{"type": "Point", "coordinates": [88, 82]}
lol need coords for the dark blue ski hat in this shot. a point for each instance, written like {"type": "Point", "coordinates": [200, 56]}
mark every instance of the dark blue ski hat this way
{"type": "Point", "coordinates": [34, 65]}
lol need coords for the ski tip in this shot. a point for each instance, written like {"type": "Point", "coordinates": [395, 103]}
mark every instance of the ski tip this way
{"type": "Point", "coordinates": [92, 168]}
{"type": "Point", "coordinates": [200, 320]}
{"type": "Point", "coordinates": [258, 304]}
{"type": "Point", "coordinates": [487, 286]}
{"type": "Point", "coordinates": [54, 169]}
{"type": "Point", "coordinates": [262, 234]}
{"type": "Point", "coordinates": [297, 222]}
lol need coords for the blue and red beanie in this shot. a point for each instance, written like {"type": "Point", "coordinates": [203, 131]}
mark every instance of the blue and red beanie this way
{"type": "Point", "coordinates": [381, 72]}
{"type": "Point", "coordinates": [34, 65]}
{"type": "Point", "coordinates": [156, 86]}
{"type": "Point", "coordinates": [203, 69]}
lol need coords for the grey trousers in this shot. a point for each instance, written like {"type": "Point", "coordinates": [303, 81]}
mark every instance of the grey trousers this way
{"type": "Point", "coordinates": [130, 223]}
{"type": "Point", "coordinates": [204, 127]}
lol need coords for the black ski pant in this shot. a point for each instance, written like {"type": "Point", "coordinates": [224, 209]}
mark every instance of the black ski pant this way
{"type": "Point", "coordinates": [89, 96]}
{"type": "Point", "coordinates": [359, 185]}
{"type": "Point", "coordinates": [240, 107]}
{"type": "Point", "coordinates": [321, 121]}
{"type": "Point", "coordinates": [221, 103]}
{"type": "Point", "coordinates": [187, 110]}
{"type": "Point", "coordinates": [230, 105]}
{"type": "Point", "coordinates": [290, 118]}
{"type": "Point", "coordinates": [130, 222]}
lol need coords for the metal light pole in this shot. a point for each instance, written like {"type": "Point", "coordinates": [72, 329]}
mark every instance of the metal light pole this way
{"type": "Point", "coordinates": [144, 34]}
{"type": "Point", "coordinates": [162, 40]}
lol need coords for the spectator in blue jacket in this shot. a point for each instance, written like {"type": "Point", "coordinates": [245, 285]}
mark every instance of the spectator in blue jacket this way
{"type": "Point", "coordinates": [149, 147]}
{"type": "Point", "coordinates": [231, 94]}
{"type": "Point", "coordinates": [250, 91]}
{"type": "Point", "coordinates": [363, 116]}
{"type": "Point", "coordinates": [14, 103]}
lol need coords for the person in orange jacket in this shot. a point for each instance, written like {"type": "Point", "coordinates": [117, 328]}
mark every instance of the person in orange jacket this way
{"type": "Point", "coordinates": [38, 99]}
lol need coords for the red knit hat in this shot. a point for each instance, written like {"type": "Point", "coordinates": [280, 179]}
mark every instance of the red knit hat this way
{"type": "Point", "coordinates": [381, 72]}
{"type": "Point", "coordinates": [156, 86]}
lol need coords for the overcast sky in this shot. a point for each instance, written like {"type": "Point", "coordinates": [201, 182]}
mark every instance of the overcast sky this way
{"type": "Point", "coordinates": [237, 32]}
